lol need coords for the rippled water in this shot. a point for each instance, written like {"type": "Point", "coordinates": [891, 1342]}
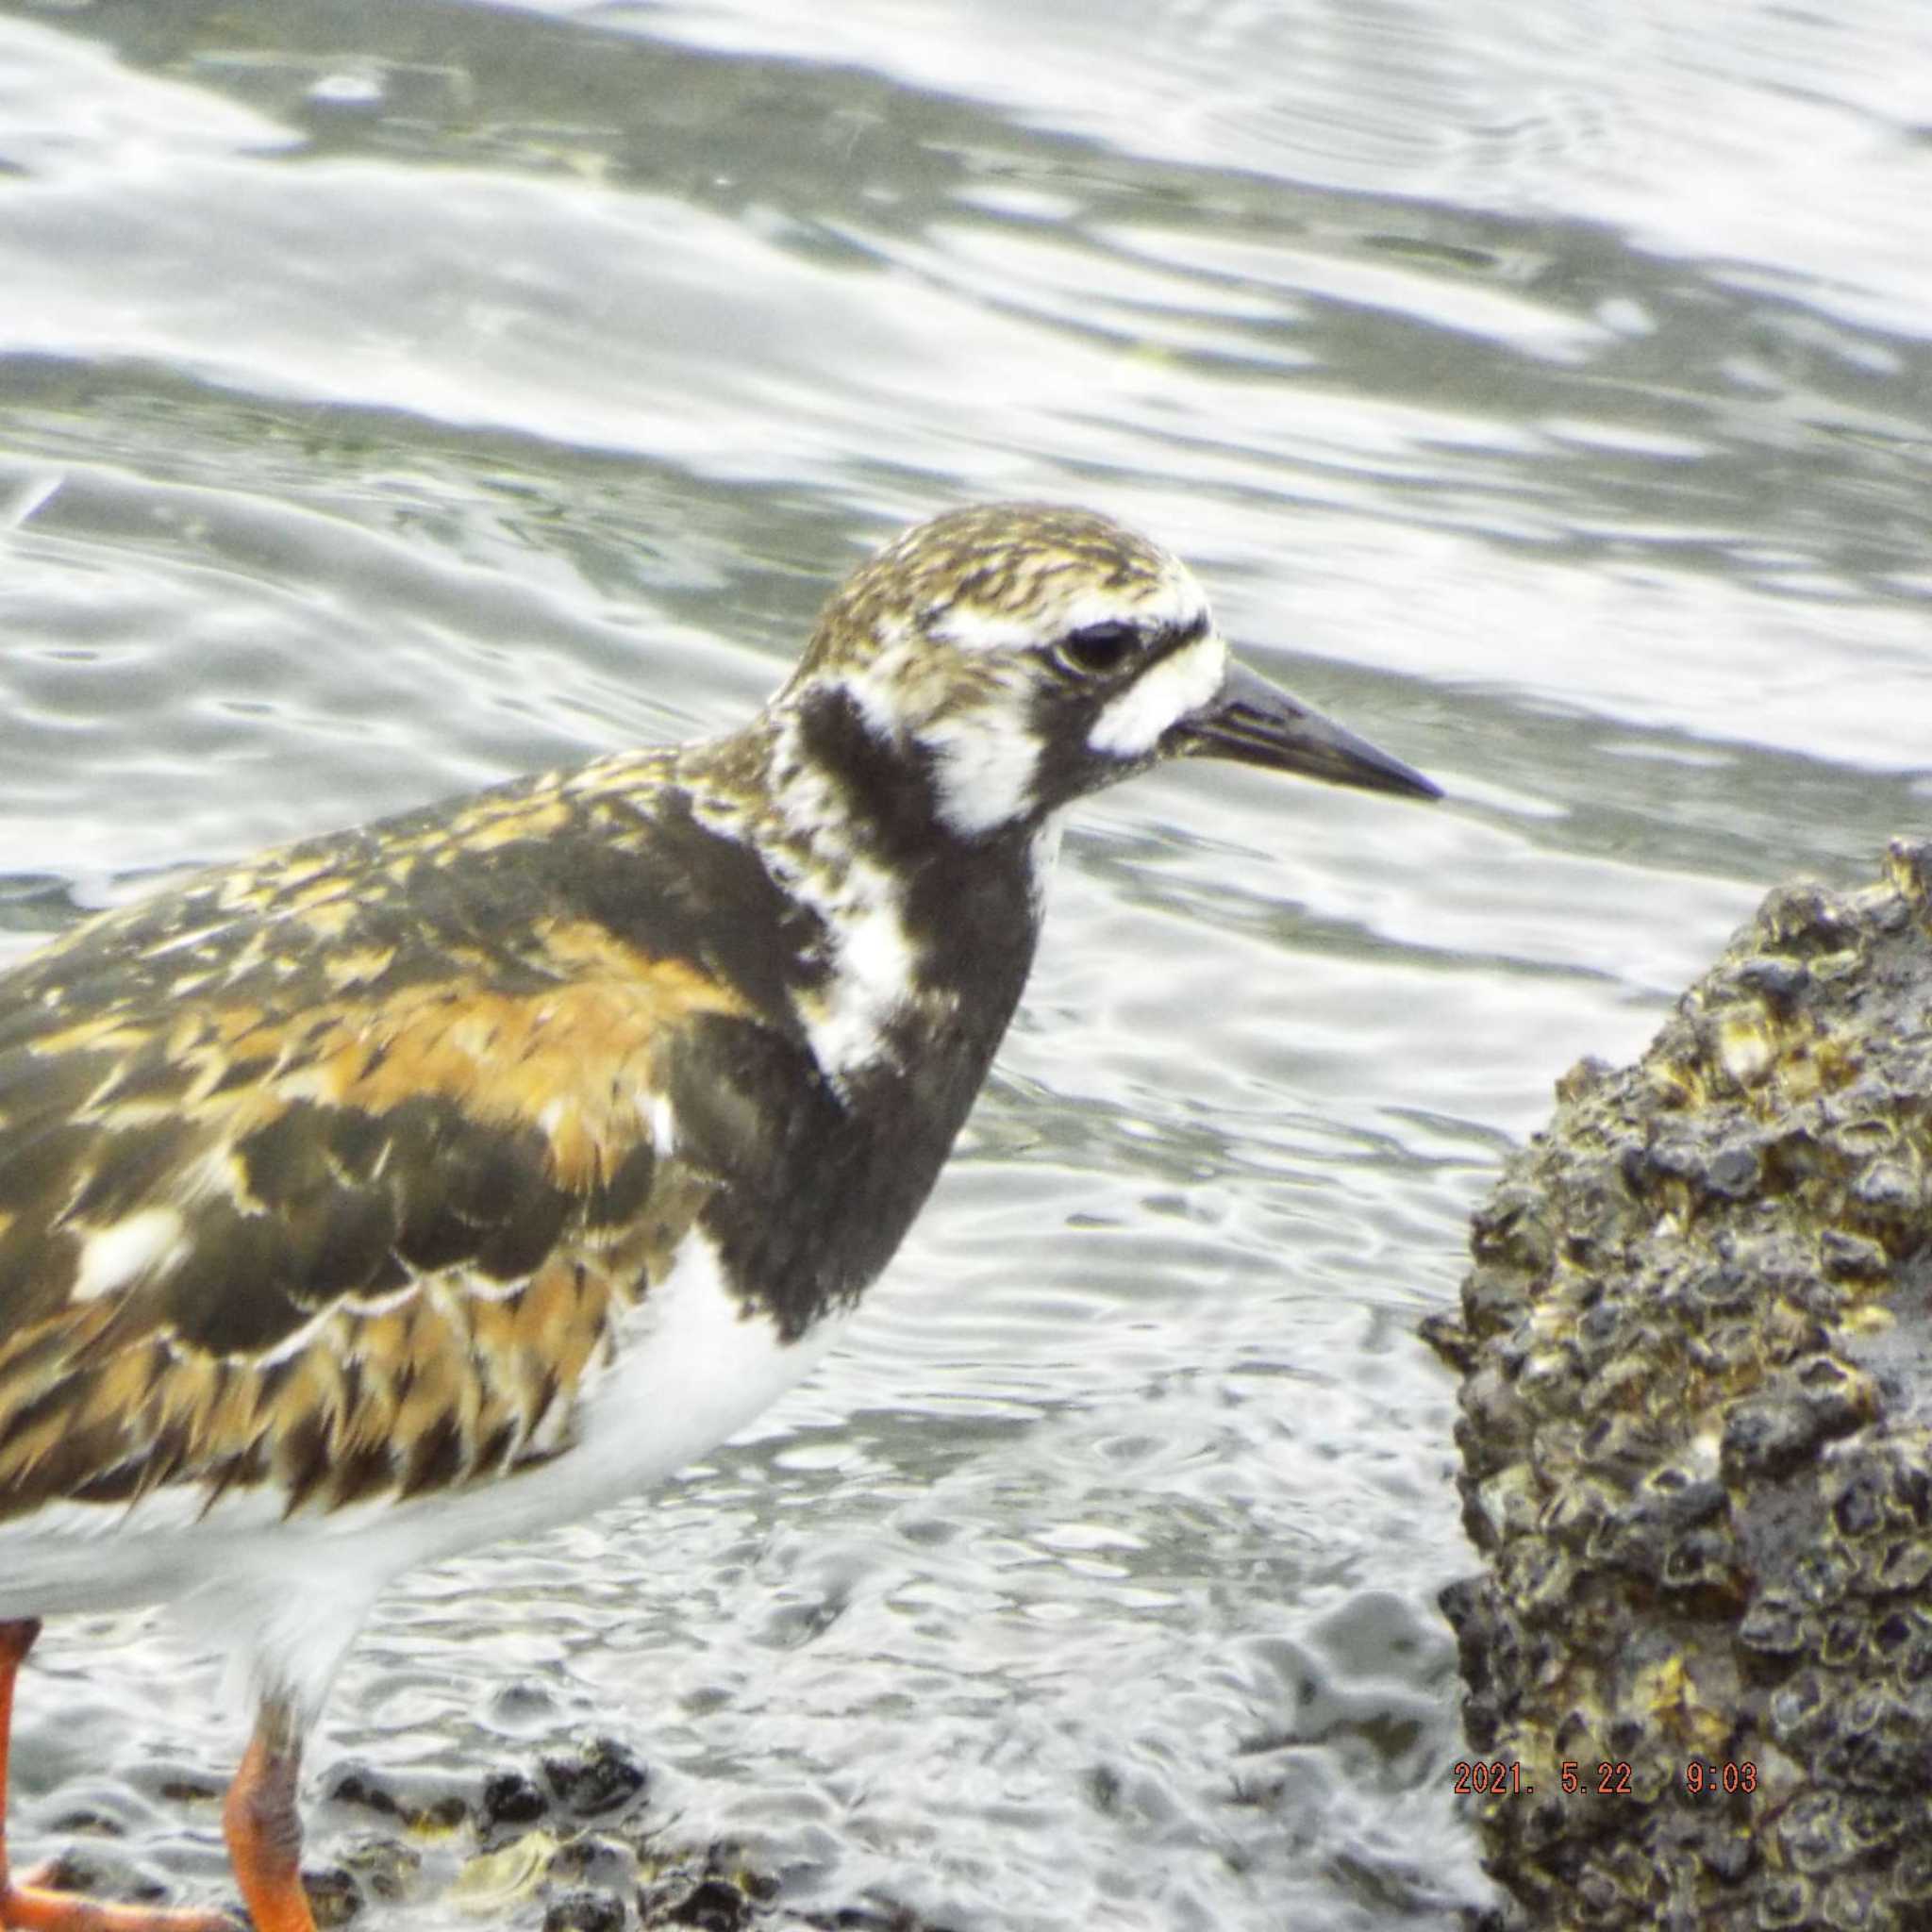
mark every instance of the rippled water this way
{"type": "Point", "coordinates": [394, 398]}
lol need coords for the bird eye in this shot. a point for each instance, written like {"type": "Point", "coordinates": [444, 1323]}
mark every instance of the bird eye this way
{"type": "Point", "coordinates": [1100, 647]}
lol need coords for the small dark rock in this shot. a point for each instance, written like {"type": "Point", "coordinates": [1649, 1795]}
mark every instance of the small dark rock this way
{"type": "Point", "coordinates": [712, 1905]}
{"type": "Point", "coordinates": [379, 1865]}
{"type": "Point", "coordinates": [512, 1799]}
{"type": "Point", "coordinates": [600, 1778]}
{"type": "Point", "coordinates": [593, 1861]}
{"type": "Point", "coordinates": [357, 1785]}
{"type": "Point", "coordinates": [418, 1801]}
{"type": "Point", "coordinates": [584, 1911]}
{"type": "Point", "coordinates": [334, 1896]}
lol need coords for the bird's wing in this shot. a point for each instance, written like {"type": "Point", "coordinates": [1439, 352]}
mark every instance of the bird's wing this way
{"type": "Point", "coordinates": [333, 1170]}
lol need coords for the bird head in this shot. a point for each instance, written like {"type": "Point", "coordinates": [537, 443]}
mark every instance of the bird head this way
{"type": "Point", "coordinates": [1024, 655]}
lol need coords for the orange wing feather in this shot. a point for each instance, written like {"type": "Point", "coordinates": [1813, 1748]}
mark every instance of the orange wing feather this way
{"type": "Point", "coordinates": [315, 1176]}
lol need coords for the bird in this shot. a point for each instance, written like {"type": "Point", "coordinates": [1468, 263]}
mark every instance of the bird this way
{"type": "Point", "coordinates": [424, 1184]}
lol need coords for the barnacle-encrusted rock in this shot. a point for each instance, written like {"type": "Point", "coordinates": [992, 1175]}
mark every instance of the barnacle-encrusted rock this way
{"type": "Point", "coordinates": [1695, 1450]}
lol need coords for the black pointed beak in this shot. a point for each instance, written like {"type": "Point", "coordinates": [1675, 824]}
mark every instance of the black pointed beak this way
{"type": "Point", "coordinates": [1260, 724]}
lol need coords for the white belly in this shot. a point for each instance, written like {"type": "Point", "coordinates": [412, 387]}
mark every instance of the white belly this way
{"type": "Point", "coordinates": [285, 1595]}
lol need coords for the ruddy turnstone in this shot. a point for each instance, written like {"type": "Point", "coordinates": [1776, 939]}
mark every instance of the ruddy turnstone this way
{"type": "Point", "coordinates": [434, 1182]}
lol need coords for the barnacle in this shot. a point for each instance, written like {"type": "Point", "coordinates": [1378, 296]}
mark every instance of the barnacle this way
{"type": "Point", "coordinates": [1696, 1456]}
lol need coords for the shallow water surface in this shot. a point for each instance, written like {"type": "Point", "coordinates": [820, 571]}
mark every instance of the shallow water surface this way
{"type": "Point", "coordinates": [392, 399]}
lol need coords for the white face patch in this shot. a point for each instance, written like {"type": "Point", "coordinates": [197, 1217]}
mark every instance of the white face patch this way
{"type": "Point", "coordinates": [987, 763]}
{"type": "Point", "coordinates": [1160, 697]}
{"type": "Point", "coordinates": [985, 758]}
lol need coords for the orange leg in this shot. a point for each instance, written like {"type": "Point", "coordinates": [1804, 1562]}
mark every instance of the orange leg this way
{"type": "Point", "coordinates": [264, 1829]}
{"type": "Point", "coordinates": [27, 1908]}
